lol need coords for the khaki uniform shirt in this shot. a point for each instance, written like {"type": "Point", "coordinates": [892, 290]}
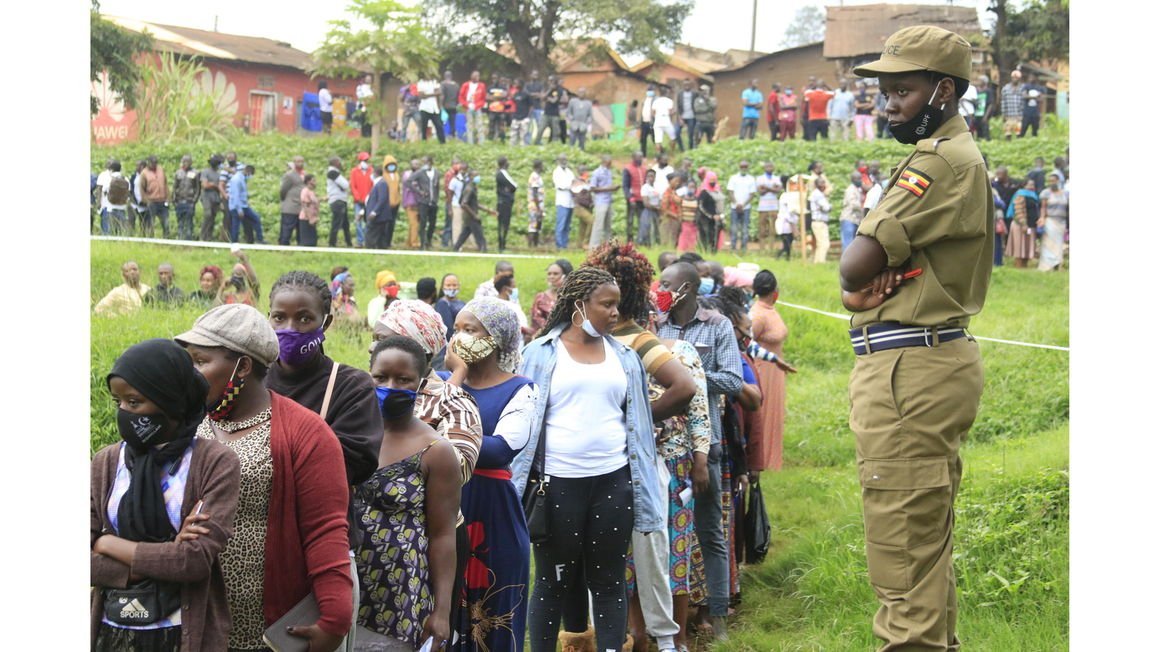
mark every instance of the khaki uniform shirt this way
{"type": "Point", "coordinates": [935, 214]}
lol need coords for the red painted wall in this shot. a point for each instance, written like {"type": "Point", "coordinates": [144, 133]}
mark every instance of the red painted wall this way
{"type": "Point", "coordinates": [113, 124]}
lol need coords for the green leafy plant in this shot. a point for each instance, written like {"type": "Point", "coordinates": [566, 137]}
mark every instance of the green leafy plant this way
{"type": "Point", "coordinates": [177, 107]}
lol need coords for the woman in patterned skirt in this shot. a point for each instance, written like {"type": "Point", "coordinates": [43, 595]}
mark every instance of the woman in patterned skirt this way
{"type": "Point", "coordinates": [482, 357]}
{"type": "Point", "coordinates": [405, 514]}
{"type": "Point", "coordinates": [290, 532]}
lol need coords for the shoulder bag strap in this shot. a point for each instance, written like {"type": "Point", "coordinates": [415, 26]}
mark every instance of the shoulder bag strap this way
{"type": "Point", "coordinates": [329, 391]}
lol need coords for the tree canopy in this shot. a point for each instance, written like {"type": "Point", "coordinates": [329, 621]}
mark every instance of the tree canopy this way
{"type": "Point", "coordinates": [536, 28]}
{"type": "Point", "coordinates": [1034, 30]}
{"type": "Point", "coordinates": [113, 50]}
{"type": "Point", "coordinates": [808, 26]}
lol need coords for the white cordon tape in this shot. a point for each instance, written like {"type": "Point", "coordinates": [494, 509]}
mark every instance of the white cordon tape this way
{"type": "Point", "coordinates": [846, 318]}
{"type": "Point", "coordinates": [333, 250]}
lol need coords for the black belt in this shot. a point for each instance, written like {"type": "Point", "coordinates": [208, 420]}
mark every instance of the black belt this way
{"type": "Point", "coordinates": [881, 337]}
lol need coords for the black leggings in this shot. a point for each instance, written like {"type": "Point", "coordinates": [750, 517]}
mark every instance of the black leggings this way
{"type": "Point", "coordinates": [590, 532]}
{"type": "Point", "coordinates": [786, 244]}
{"type": "Point", "coordinates": [503, 218]}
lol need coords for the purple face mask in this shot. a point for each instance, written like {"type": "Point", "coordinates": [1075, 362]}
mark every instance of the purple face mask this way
{"type": "Point", "coordinates": [295, 348]}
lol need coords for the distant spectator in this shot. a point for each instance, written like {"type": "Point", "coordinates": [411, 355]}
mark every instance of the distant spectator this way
{"type": "Point", "coordinates": [841, 112]}
{"type": "Point", "coordinates": [450, 101]}
{"type": "Point", "coordinates": [409, 95]}
{"type": "Point", "coordinates": [984, 109]}
{"type": "Point", "coordinates": [705, 110]}
{"type": "Point", "coordinates": [102, 190]}
{"type": "Point", "coordinates": [496, 94]}
{"type": "Point", "coordinates": [686, 118]}
{"type": "Point", "coordinates": [1038, 175]}
{"type": "Point", "coordinates": [343, 305]}
{"type": "Point", "coordinates": [363, 93]}
{"type": "Point", "coordinates": [472, 224]}
{"type": "Point", "coordinates": [741, 188]}
{"type": "Point", "coordinates": [650, 192]}
{"type": "Point", "coordinates": [787, 115]}
{"type": "Point", "coordinates": [851, 215]}
{"type": "Point", "coordinates": [410, 205]}
{"type": "Point", "coordinates": [579, 118]}
{"type": "Point", "coordinates": [863, 113]}
{"type": "Point", "coordinates": [242, 286]}
{"type": "Point", "coordinates": [239, 205]}
{"type": "Point", "coordinates": [1033, 97]}
{"type": "Point", "coordinates": [772, 108]}
{"type": "Point", "coordinates": [555, 122]}
{"type": "Point", "coordinates": [769, 189]}
{"type": "Point", "coordinates": [387, 289]}
{"type": "Point", "coordinates": [212, 201]}
{"type": "Point", "coordinates": [535, 91]}
{"type": "Point", "coordinates": [1023, 211]}
{"type": "Point", "coordinates": [662, 114]}
{"type": "Point", "coordinates": [1012, 105]}
{"type": "Point", "coordinates": [582, 197]}
{"type": "Point", "coordinates": [127, 297]}
{"type": "Point", "coordinates": [290, 194]}
{"type": "Point", "coordinates": [116, 195]}
{"type": "Point", "coordinates": [562, 179]}
{"type": "Point", "coordinates": [505, 200]}
{"type": "Point", "coordinates": [337, 196]}
{"type": "Point", "coordinates": [325, 106]}
{"type": "Point", "coordinates": [521, 118]}
{"type": "Point", "coordinates": [646, 118]}
{"type": "Point", "coordinates": [1053, 217]}
{"type": "Point", "coordinates": [429, 93]}
{"type": "Point", "coordinates": [535, 203]}
{"type": "Point", "coordinates": [165, 293]}
{"type": "Point", "coordinates": [425, 290]}
{"type": "Point", "coordinates": [602, 189]}
{"type": "Point", "coordinates": [751, 101]}
{"type": "Point", "coordinates": [209, 282]}
{"type": "Point", "coordinates": [378, 211]}
{"type": "Point", "coordinates": [449, 304]}
{"type": "Point", "coordinates": [361, 182]}
{"type": "Point", "coordinates": [155, 193]}
{"type": "Point", "coordinates": [818, 112]}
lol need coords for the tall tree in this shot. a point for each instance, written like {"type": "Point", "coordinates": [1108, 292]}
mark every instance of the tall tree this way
{"type": "Point", "coordinates": [381, 37]}
{"type": "Point", "coordinates": [113, 50]}
{"type": "Point", "coordinates": [535, 28]}
{"type": "Point", "coordinates": [1034, 30]}
{"type": "Point", "coordinates": [808, 26]}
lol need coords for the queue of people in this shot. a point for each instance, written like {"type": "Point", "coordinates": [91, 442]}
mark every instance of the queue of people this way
{"type": "Point", "coordinates": [609, 439]}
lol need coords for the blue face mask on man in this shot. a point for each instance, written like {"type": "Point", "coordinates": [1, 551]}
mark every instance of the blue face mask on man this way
{"type": "Point", "coordinates": [707, 286]}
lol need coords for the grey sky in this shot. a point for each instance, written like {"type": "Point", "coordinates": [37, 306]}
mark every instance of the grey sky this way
{"type": "Point", "coordinates": [713, 24]}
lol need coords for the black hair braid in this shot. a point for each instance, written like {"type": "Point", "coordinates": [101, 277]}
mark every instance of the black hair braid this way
{"type": "Point", "coordinates": [732, 302]}
{"type": "Point", "coordinates": [633, 273]}
{"type": "Point", "coordinates": [309, 281]}
{"type": "Point", "coordinates": [578, 286]}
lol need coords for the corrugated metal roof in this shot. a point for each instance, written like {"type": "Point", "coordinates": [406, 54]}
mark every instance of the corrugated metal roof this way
{"type": "Point", "coordinates": [863, 29]}
{"type": "Point", "coordinates": [216, 45]}
{"type": "Point", "coordinates": [762, 57]}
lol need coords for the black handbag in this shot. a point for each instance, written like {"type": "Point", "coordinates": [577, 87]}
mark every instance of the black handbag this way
{"type": "Point", "coordinates": [536, 497]}
{"type": "Point", "coordinates": [142, 603]}
{"type": "Point", "coordinates": [757, 526]}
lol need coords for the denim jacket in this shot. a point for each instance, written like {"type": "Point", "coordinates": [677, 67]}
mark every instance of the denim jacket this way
{"type": "Point", "coordinates": [649, 506]}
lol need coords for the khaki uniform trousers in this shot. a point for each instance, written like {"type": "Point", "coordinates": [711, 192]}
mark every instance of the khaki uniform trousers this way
{"type": "Point", "coordinates": [412, 227]}
{"type": "Point", "coordinates": [821, 231]}
{"type": "Point", "coordinates": [584, 231]}
{"type": "Point", "coordinates": [910, 409]}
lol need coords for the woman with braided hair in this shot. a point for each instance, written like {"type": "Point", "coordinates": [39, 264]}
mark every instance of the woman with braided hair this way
{"type": "Point", "coordinates": [300, 314]}
{"type": "Point", "coordinates": [598, 457]}
{"type": "Point", "coordinates": [482, 356]}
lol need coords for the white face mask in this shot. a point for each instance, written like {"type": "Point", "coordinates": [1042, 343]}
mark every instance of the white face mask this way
{"type": "Point", "coordinates": [362, 165]}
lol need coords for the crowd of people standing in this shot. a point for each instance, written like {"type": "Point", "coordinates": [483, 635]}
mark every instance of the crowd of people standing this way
{"type": "Point", "coordinates": [409, 484]}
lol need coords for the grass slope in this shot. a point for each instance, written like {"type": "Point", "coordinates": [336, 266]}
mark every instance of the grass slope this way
{"type": "Point", "coordinates": [811, 592]}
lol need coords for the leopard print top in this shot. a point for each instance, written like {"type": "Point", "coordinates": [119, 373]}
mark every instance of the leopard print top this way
{"type": "Point", "coordinates": [243, 560]}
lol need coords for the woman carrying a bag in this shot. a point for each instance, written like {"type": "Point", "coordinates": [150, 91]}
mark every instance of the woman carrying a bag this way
{"type": "Point", "coordinates": [597, 469]}
{"type": "Point", "coordinates": [1024, 209]}
{"type": "Point", "coordinates": [162, 509]}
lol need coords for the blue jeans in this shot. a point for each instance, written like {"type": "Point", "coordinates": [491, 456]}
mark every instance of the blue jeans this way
{"type": "Point", "coordinates": [644, 232]}
{"type": "Point", "coordinates": [185, 211]}
{"type": "Point", "coordinates": [563, 226]}
{"type": "Point", "coordinates": [445, 236]}
{"type": "Point", "coordinates": [748, 129]}
{"type": "Point", "coordinates": [360, 223]}
{"type": "Point", "coordinates": [710, 531]}
{"type": "Point", "coordinates": [534, 128]}
{"type": "Point", "coordinates": [116, 219]}
{"type": "Point", "coordinates": [848, 230]}
{"type": "Point", "coordinates": [104, 221]}
{"type": "Point", "coordinates": [740, 229]}
{"type": "Point", "coordinates": [998, 250]}
{"type": "Point", "coordinates": [250, 216]}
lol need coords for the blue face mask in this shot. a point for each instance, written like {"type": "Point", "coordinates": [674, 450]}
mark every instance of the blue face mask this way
{"type": "Point", "coordinates": [395, 403]}
{"type": "Point", "coordinates": [649, 93]}
{"type": "Point", "coordinates": [707, 285]}
{"type": "Point", "coordinates": [586, 325]}
{"type": "Point", "coordinates": [475, 179]}
{"type": "Point", "coordinates": [515, 295]}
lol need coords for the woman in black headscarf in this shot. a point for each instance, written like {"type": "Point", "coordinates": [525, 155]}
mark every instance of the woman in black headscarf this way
{"type": "Point", "coordinates": [162, 508]}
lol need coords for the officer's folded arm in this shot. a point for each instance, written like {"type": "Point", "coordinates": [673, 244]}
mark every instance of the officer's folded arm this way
{"type": "Point", "coordinates": [866, 279]}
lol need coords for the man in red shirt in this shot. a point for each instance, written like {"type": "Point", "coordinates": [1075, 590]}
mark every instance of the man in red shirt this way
{"type": "Point", "coordinates": [360, 189]}
{"type": "Point", "coordinates": [631, 180]}
{"type": "Point", "coordinates": [772, 106]}
{"type": "Point", "coordinates": [819, 100]}
{"type": "Point", "coordinates": [787, 114]}
{"type": "Point", "coordinates": [471, 97]}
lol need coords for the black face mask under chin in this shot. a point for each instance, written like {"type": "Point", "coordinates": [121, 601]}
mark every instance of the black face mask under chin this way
{"type": "Point", "coordinates": [920, 126]}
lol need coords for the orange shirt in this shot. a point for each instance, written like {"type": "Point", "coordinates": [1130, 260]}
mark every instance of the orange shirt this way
{"type": "Point", "coordinates": [818, 100]}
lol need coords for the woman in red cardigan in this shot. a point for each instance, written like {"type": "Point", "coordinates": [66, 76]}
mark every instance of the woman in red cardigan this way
{"type": "Point", "coordinates": [290, 533]}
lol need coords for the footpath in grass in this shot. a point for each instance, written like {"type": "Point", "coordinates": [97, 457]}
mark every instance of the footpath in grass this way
{"type": "Point", "coordinates": [811, 591]}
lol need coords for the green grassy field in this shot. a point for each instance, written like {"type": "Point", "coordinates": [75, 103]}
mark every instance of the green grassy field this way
{"type": "Point", "coordinates": [811, 592]}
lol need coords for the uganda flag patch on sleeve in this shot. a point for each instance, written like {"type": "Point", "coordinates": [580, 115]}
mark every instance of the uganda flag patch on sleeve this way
{"type": "Point", "coordinates": [914, 182]}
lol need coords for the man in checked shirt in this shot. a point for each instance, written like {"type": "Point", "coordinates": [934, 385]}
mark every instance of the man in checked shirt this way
{"type": "Point", "coordinates": [443, 406]}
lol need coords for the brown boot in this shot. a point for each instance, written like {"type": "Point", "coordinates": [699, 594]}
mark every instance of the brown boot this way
{"type": "Point", "coordinates": [578, 641]}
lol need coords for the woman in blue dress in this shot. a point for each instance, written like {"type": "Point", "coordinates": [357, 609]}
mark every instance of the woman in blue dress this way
{"type": "Point", "coordinates": [482, 356]}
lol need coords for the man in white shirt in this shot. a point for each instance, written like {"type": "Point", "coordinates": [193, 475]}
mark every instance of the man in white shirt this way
{"type": "Point", "coordinates": [646, 118]}
{"type": "Point", "coordinates": [769, 188]}
{"type": "Point", "coordinates": [326, 106]}
{"type": "Point", "coordinates": [456, 187]}
{"type": "Point", "coordinates": [663, 170]}
{"type": "Point", "coordinates": [562, 178]}
{"type": "Point", "coordinates": [742, 187]}
{"type": "Point", "coordinates": [429, 92]}
{"type": "Point", "coordinates": [103, 191]}
{"type": "Point", "coordinates": [662, 110]}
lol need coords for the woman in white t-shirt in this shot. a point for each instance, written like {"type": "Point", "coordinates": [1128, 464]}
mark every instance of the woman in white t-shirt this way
{"type": "Point", "coordinates": [650, 193]}
{"type": "Point", "coordinates": [599, 459]}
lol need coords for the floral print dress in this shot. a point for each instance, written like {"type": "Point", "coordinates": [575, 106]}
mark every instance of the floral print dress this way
{"type": "Point", "coordinates": [391, 555]}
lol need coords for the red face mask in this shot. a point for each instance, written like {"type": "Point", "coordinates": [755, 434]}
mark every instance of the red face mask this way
{"type": "Point", "coordinates": [393, 291]}
{"type": "Point", "coordinates": [664, 300]}
{"type": "Point", "coordinates": [774, 297]}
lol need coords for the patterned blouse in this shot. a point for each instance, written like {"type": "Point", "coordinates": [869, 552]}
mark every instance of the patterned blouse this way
{"type": "Point", "coordinates": [244, 558]}
{"type": "Point", "coordinates": [682, 434]}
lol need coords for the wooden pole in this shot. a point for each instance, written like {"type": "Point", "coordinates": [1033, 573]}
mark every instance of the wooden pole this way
{"type": "Point", "coordinates": [802, 214]}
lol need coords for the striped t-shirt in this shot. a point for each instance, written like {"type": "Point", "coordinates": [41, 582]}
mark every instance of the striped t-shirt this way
{"type": "Point", "coordinates": [652, 353]}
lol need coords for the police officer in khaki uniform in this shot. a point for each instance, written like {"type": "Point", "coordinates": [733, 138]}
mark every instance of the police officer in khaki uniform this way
{"type": "Point", "coordinates": [915, 273]}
